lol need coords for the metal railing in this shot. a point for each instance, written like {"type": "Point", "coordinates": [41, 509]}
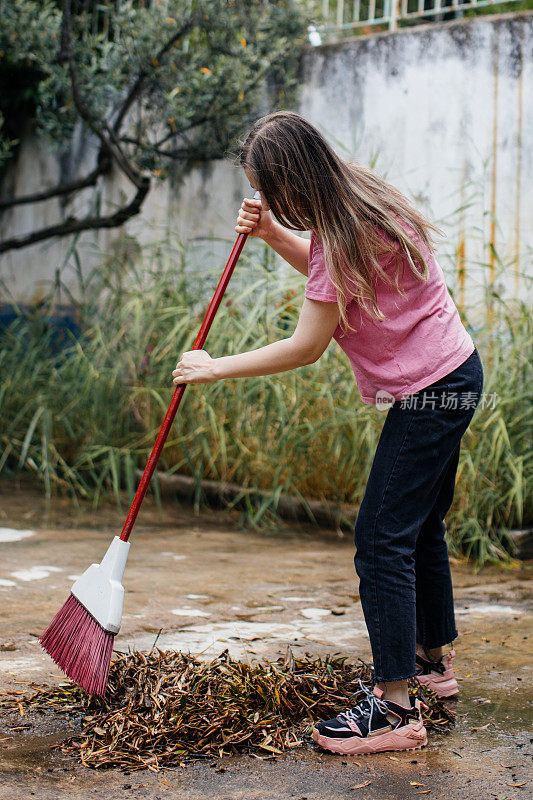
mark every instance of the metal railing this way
{"type": "Point", "coordinates": [335, 15]}
{"type": "Point", "coordinates": [338, 15]}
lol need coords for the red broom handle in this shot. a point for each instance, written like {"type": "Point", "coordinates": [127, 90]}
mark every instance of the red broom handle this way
{"type": "Point", "coordinates": [178, 394]}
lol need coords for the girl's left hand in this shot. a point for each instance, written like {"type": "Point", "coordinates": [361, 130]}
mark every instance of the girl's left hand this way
{"type": "Point", "coordinates": [195, 366]}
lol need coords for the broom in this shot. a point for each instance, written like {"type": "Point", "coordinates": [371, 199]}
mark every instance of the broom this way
{"type": "Point", "coordinates": [80, 637]}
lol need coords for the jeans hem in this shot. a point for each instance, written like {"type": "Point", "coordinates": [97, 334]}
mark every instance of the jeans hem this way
{"type": "Point", "coordinates": [378, 679]}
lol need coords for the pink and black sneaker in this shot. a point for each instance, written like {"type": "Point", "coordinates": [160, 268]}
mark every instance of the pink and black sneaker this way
{"type": "Point", "coordinates": [437, 675]}
{"type": "Point", "coordinates": [366, 728]}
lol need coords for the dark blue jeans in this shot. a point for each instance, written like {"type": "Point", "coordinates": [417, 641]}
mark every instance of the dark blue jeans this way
{"type": "Point", "coordinates": [401, 557]}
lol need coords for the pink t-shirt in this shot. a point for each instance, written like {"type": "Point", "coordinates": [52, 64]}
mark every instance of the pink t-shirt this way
{"type": "Point", "coordinates": [421, 340]}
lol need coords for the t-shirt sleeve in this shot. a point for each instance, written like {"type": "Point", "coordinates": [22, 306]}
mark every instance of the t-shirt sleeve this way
{"type": "Point", "coordinates": [319, 285]}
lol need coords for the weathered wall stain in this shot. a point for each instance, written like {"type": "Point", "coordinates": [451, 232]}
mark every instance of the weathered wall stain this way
{"type": "Point", "coordinates": [519, 39]}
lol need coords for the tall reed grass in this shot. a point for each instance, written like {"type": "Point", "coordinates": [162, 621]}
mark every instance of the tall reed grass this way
{"type": "Point", "coordinates": [83, 420]}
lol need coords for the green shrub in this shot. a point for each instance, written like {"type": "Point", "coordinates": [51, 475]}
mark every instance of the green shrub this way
{"type": "Point", "coordinates": [84, 420]}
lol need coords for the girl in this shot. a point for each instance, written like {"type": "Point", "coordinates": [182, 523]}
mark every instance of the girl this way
{"type": "Point", "coordinates": [375, 287]}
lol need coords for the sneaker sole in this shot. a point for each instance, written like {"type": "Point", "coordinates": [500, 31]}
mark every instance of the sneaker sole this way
{"type": "Point", "coordinates": [443, 687]}
{"type": "Point", "coordinates": [410, 737]}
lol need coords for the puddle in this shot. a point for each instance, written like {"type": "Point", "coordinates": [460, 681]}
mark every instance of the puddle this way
{"type": "Point", "coordinates": [267, 637]}
{"type": "Point", "coordinates": [505, 711]}
{"type": "Point", "coordinates": [175, 556]}
{"type": "Point", "coordinates": [35, 573]}
{"type": "Point", "coordinates": [492, 610]}
{"type": "Point", "coordinates": [13, 535]}
{"type": "Point", "coordinates": [36, 749]}
{"type": "Point", "coordinates": [315, 613]}
{"type": "Point", "coordinates": [189, 612]}
{"type": "Point", "coordinates": [299, 599]}
{"type": "Point", "coordinates": [200, 638]}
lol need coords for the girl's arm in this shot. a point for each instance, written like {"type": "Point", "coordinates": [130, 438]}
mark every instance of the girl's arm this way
{"type": "Point", "coordinates": [292, 248]}
{"type": "Point", "coordinates": [255, 219]}
{"type": "Point", "coordinates": [316, 325]}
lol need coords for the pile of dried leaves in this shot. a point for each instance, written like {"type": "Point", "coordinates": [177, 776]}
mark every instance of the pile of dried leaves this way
{"type": "Point", "coordinates": [162, 707]}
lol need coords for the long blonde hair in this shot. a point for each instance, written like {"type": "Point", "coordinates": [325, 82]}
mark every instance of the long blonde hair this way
{"type": "Point", "coordinates": [308, 187]}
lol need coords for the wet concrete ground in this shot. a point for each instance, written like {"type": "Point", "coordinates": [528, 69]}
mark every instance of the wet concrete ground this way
{"type": "Point", "coordinates": [209, 587]}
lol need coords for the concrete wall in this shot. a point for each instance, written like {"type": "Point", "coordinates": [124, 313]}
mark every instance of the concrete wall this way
{"type": "Point", "coordinates": [442, 111]}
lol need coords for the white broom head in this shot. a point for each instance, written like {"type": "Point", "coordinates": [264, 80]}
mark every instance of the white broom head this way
{"type": "Point", "coordinates": [100, 588]}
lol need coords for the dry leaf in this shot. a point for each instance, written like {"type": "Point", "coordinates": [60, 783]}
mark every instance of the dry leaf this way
{"type": "Point", "coordinates": [481, 728]}
{"type": "Point", "coordinates": [270, 749]}
{"type": "Point", "coordinates": [361, 785]}
{"type": "Point", "coordinates": [219, 707]}
{"type": "Point", "coordinates": [424, 791]}
{"type": "Point", "coordinates": [415, 783]}
{"type": "Point", "coordinates": [517, 785]}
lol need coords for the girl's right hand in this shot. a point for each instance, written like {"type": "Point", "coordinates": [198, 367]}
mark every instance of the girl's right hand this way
{"type": "Point", "coordinates": [254, 220]}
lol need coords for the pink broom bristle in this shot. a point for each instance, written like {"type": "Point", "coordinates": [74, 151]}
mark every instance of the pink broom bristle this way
{"type": "Point", "coordinates": [79, 646]}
